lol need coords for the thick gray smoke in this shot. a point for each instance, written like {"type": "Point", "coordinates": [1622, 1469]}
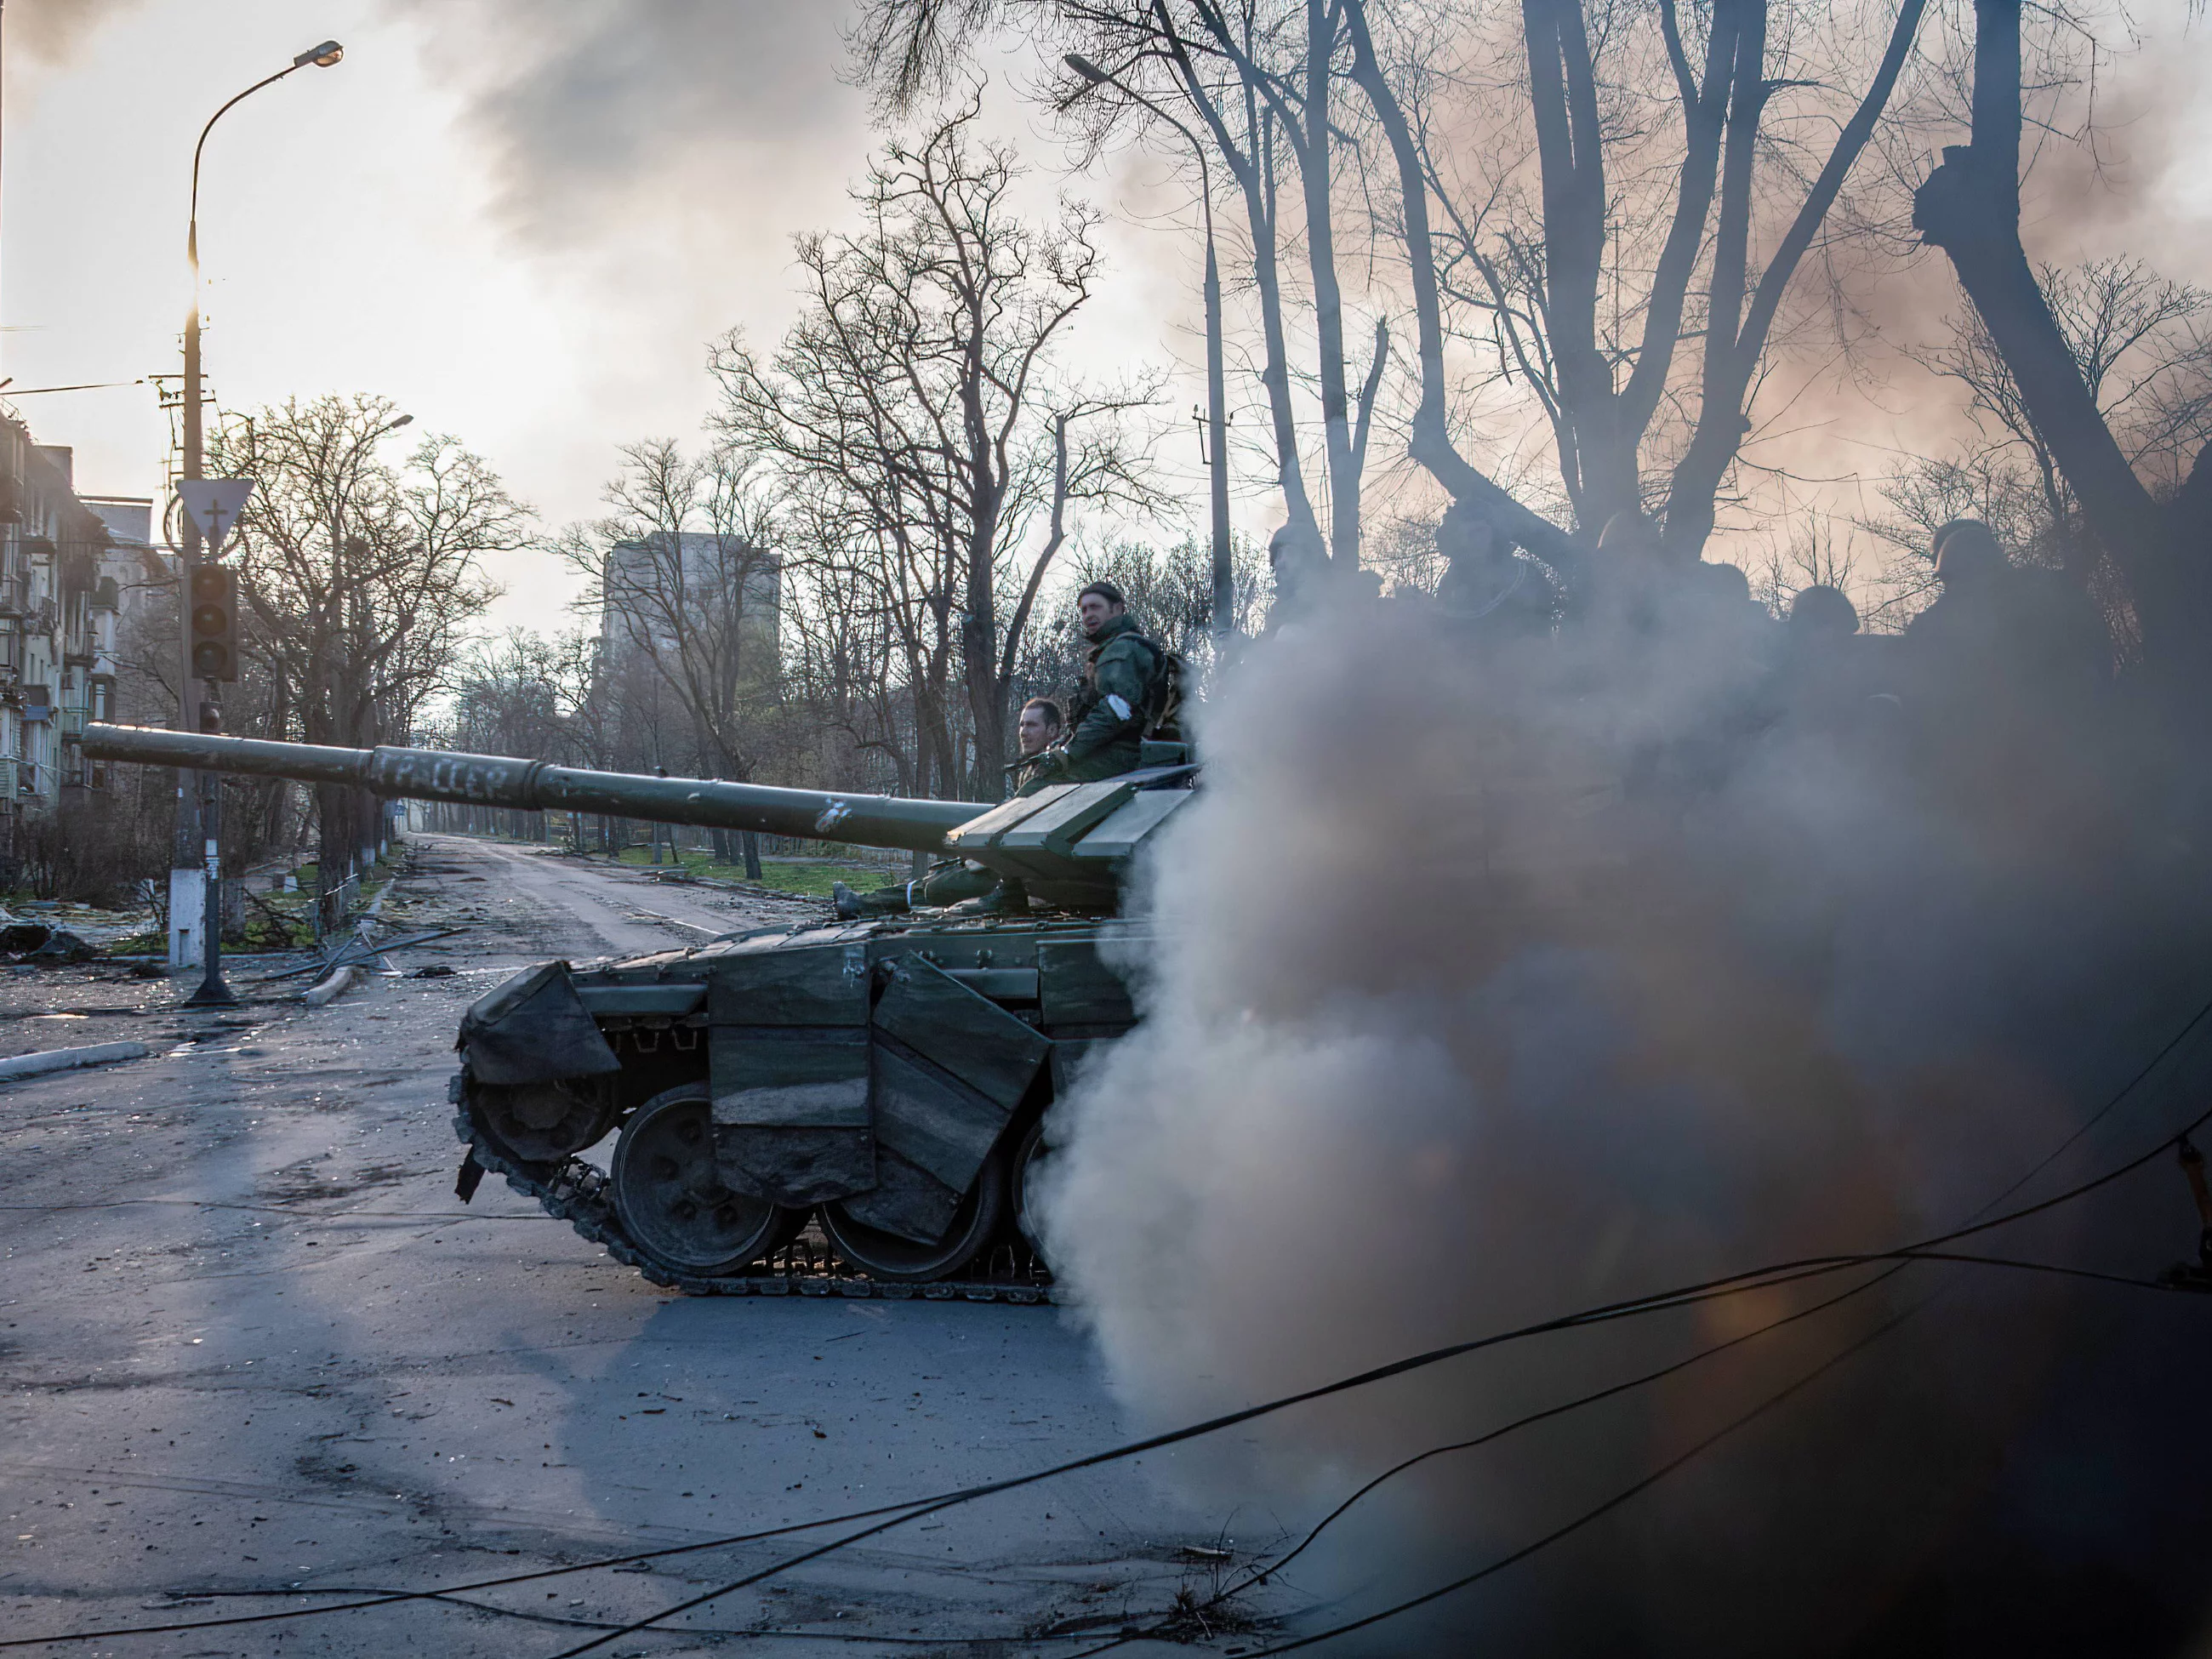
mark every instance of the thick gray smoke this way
{"type": "Point", "coordinates": [1493, 984]}
{"type": "Point", "coordinates": [50, 30]}
{"type": "Point", "coordinates": [589, 104]}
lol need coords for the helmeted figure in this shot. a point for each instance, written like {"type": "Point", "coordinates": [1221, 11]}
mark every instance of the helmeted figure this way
{"type": "Point", "coordinates": [1489, 591]}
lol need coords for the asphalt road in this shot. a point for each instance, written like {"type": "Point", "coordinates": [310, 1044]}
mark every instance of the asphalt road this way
{"type": "Point", "coordinates": [255, 1358]}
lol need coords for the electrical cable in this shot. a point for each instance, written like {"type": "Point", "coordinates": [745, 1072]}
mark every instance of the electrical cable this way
{"type": "Point", "coordinates": [1928, 1249]}
{"type": "Point", "coordinates": [1597, 1512]}
{"type": "Point", "coordinates": [1815, 1268]}
{"type": "Point", "coordinates": [1766, 1276]}
{"type": "Point", "coordinates": [893, 1515]}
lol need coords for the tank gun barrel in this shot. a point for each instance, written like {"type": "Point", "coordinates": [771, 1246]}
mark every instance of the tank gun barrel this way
{"type": "Point", "coordinates": [918, 826]}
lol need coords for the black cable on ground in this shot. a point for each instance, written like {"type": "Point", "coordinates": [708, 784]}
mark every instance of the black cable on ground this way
{"type": "Point", "coordinates": [1784, 1273]}
{"type": "Point", "coordinates": [1679, 1296]}
{"type": "Point", "coordinates": [1597, 1512]}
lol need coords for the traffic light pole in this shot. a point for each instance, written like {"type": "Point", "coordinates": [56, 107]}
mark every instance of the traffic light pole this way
{"type": "Point", "coordinates": [210, 604]}
{"type": "Point", "coordinates": [186, 870]}
{"type": "Point", "coordinates": [212, 992]}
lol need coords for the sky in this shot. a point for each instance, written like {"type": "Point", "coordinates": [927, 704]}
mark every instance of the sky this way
{"type": "Point", "coordinates": [524, 219]}
{"type": "Point", "coordinates": [521, 219]}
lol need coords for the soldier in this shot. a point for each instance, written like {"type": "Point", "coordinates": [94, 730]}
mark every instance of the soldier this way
{"type": "Point", "coordinates": [950, 881]}
{"type": "Point", "coordinates": [1490, 593]}
{"type": "Point", "coordinates": [2032, 630]}
{"type": "Point", "coordinates": [1125, 688]}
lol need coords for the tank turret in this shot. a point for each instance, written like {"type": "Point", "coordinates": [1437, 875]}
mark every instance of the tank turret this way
{"type": "Point", "coordinates": [1068, 843]}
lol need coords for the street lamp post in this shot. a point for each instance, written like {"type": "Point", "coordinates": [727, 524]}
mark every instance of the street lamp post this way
{"type": "Point", "coordinates": [195, 878]}
{"type": "Point", "coordinates": [1216, 402]}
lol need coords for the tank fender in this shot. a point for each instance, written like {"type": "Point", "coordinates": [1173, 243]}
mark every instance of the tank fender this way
{"type": "Point", "coordinates": [787, 1064]}
{"type": "Point", "coordinates": [948, 1068]}
{"type": "Point", "coordinates": [533, 1028]}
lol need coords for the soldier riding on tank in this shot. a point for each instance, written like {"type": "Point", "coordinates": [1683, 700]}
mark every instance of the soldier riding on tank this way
{"type": "Point", "coordinates": [954, 881]}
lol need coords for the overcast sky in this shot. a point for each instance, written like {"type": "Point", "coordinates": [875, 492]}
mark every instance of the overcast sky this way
{"type": "Point", "coordinates": [522, 219]}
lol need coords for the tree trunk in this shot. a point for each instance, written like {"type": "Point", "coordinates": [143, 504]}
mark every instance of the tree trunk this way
{"type": "Point", "coordinates": [1314, 170]}
{"type": "Point", "coordinates": [1969, 207]}
{"type": "Point", "coordinates": [1432, 445]}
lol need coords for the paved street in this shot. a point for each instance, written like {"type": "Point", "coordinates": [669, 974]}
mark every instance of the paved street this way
{"type": "Point", "coordinates": [256, 1356]}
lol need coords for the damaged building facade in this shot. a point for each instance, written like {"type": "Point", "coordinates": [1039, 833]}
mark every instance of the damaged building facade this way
{"type": "Point", "coordinates": [73, 568]}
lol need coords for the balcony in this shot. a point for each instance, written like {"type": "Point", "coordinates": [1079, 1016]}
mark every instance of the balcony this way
{"type": "Point", "coordinates": [9, 766]}
{"type": "Point", "coordinates": [70, 724]}
{"type": "Point", "coordinates": [14, 594]}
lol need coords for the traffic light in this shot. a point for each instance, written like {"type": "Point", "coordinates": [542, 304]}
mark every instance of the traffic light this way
{"type": "Point", "coordinates": [214, 629]}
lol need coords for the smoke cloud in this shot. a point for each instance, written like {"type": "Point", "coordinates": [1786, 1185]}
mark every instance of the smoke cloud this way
{"type": "Point", "coordinates": [590, 108]}
{"type": "Point", "coordinates": [1494, 984]}
{"type": "Point", "coordinates": [49, 30]}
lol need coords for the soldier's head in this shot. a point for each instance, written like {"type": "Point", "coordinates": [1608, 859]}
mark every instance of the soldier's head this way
{"type": "Point", "coordinates": [1298, 562]}
{"type": "Point", "coordinates": [1040, 723]}
{"type": "Point", "coordinates": [1968, 558]}
{"type": "Point", "coordinates": [1464, 533]}
{"type": "Point", "coordinates": [1823, 613]}
{"type": "Point", "coordinates": [1098, 604]}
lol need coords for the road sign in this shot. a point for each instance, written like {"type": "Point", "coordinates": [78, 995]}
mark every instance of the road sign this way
{"type": "Point", "coordinates": [215, 505]}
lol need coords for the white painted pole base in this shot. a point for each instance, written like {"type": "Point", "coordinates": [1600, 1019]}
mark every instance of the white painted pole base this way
{"type": "Point", "coordinates": [187, 907]}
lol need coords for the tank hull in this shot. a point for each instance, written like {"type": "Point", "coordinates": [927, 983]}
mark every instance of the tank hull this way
{"type": "Point", "coordinates": [866, 1104]}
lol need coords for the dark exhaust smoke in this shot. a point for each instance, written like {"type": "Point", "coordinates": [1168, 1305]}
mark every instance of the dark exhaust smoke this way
{"type": "Point", "coordinates": [1499, 980]}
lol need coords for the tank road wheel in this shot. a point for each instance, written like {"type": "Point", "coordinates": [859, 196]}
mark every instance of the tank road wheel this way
{"type": "Point", "coordinates": [671, 1199]}
{"type": "Point", "coordinates": [1032, 1158]}
{"type": "Point", "coordinates": [540, 1124]}
{"type": "Point", "coordinates": [901, 1260]}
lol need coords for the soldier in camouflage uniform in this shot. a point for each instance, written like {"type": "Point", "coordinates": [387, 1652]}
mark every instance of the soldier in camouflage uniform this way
{"type": "Point", "coordinates": [951, 881]}
{"type": "Point", "coordinates": [1122, 690]}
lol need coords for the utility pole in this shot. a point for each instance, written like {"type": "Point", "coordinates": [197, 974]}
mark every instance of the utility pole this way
{"type": "Point", "coordinates": [195, 886]}
{"type": "Point", "coordinates": [1217, 421]}
{"type": "Point", "coordinates": [1217, 415]}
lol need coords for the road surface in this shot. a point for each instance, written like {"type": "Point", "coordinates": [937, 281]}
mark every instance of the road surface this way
{"type": "Point", "coordinates": [257, 1358]}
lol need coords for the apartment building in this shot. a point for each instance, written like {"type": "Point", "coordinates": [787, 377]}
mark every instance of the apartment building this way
{"type": "Point", "coordinates": [73, 568]}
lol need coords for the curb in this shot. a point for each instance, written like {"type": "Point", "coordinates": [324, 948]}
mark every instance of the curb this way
{"type": "Point", "coordinates": [68, 1060]}
{"type": "Point", "coordinates": [328, 990]}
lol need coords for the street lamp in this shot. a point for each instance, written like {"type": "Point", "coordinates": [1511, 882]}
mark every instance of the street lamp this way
{"type": "Point", "coordinates": [205, 825]}
{"type": "Point", "coordinates": [1216, 404]}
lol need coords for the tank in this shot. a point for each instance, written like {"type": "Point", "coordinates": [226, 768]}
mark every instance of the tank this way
{"type": "Point", "coordinates": [855, 1108]}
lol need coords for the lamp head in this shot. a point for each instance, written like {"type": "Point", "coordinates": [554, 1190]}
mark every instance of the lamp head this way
{"type": "Point", "coordinates": [321, 56]}
{"type": "Point", "coordinates": [1083, 67]}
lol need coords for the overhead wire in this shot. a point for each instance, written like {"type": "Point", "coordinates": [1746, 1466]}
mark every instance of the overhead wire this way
{"type": "Point", "coordinates": [1928, 1249]}
{"type": "Point", "coordinates": [884, 1517]}
{"type": "Point", "coordinates": [1595, 1512]}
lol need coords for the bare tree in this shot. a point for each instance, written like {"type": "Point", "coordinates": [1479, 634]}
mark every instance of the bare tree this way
{"type": "Point", "coordinates": [2155, 527]}
{"type": "Point", "coordinates": [1257, 82]}
{"type": "Point", "coordinates": [1557, 283]}
{"type": "Point", "coordinates": [359, 578]}
{"type": "Point", "coordinates": [2140, 345]}
{"type": "Point", "coordinates": [913, 420]}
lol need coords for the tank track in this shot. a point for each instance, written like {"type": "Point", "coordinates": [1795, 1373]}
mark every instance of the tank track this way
{"type": "Point", "coordinates": [576, 1194]}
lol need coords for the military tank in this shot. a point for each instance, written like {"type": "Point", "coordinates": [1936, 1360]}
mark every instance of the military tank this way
{"type": "Point", "coordinates": [875, 1089]}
